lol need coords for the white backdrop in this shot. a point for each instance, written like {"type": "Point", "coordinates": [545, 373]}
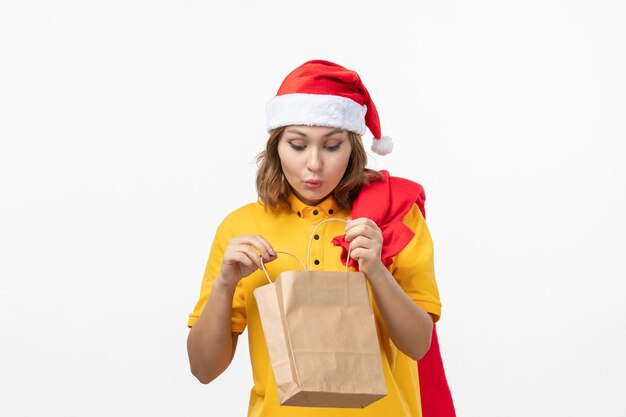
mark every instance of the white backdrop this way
{"type": "Point", "coordinates": [129, 130]}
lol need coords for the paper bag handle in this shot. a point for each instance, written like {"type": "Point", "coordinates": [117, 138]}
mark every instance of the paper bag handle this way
{"type": "Point", "coordinates": [286, 253]}
{"type": "Point", "coordinates": [308, 256]}
{"type": "Point", "coordinates": [308, 265]}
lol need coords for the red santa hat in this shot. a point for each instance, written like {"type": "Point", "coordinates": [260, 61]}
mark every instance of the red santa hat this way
{"type": "Point", "coordinates": [321, 93]}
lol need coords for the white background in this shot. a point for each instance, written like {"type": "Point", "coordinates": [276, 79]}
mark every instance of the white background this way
{"type": "Point", "coordinates": [129, 130]}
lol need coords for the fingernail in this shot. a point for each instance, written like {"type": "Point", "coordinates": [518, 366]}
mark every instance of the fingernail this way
{"type": "Point", "coordinates": [272, 252]}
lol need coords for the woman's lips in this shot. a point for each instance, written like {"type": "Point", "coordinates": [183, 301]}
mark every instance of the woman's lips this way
{"type": "Point", "coordinates": [313, 184]}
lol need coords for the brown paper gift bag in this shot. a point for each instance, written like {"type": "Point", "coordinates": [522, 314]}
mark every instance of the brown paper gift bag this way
{"type": "Point", "coordinates": [321, 337]}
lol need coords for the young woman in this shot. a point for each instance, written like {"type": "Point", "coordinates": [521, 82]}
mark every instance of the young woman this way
{"type": "Point", "coordinates": [313, 168]}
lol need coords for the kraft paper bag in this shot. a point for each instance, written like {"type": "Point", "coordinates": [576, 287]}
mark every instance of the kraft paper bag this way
{"type": "Point", "coordinates": [321, 337]}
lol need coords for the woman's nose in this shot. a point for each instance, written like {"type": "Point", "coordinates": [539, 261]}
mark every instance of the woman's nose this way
{"type": "Point", "coordinates": [314, 162]}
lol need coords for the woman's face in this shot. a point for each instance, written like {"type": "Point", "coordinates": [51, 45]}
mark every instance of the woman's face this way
{"type": "Point", "coordinates": [314, 160]}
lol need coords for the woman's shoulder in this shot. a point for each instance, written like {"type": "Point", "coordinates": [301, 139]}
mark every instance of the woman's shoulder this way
{"type": "Point", "coordinates": [245, 212]}
{"type": "Point", "coordinates": [249, 217]}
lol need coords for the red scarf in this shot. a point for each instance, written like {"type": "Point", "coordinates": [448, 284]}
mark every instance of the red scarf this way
{"type": "Point", "coordinates": [386, 202]}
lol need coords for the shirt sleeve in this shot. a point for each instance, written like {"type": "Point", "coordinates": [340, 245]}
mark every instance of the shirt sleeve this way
{"type": "Point", "coordinates": [413, 267]}
{"type": "Point", "coordinates": [225, 232]}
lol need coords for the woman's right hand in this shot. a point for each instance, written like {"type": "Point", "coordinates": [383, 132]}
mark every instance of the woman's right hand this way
{"type": "Point", "coordinates": [243, 256]}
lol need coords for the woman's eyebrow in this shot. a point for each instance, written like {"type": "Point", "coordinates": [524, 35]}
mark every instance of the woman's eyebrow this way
{"type": "Point", "coordinates": [333, 132]}
{"type": "Point", "coordinates": [297, 132]}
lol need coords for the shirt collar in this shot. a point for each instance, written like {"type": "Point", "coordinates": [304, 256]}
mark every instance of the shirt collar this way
{"type": "Point", "coordinates": [326, 208]}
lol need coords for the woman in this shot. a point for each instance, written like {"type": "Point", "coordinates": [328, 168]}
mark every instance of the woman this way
{"type": "Point", "coordinates": [313, 168]}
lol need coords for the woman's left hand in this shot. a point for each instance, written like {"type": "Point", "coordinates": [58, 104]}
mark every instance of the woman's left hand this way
{"type": "Point", "coordinates": [366, 244]}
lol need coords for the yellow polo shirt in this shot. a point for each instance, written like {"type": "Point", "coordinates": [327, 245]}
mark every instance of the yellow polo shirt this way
{"type": "Point", "coordinates": [290, 232]}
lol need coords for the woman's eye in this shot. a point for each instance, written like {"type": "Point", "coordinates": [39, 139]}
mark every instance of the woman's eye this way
{"type": "Point", "coordinates": [296, 147]}
{"type": "Point", "coordinates": [333, 147]}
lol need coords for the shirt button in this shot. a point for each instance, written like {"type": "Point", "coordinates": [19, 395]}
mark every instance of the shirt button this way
{"type": "Point", "coordinates": [316, 262]}
{"type": "Point", "coordinates": [316, 237]}
{"type": "Point", "coordinates": [330, 211]}
{"type": "Point", "coordinates": [315, 212]}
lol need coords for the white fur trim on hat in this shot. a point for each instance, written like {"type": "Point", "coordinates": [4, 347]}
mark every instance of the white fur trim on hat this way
{"type": "Point", "coordinates": [382, 146]}
{"type": "Point", "coordinates": [315, 110]}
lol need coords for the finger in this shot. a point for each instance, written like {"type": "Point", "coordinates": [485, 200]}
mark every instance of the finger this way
{"type": "Point", "coordinates": [243, 254]}
{"type": "Point", "coordinates": [251, 254]}
{"type": "Point", "coordinates": [245, 261]}
{"type": "Point", "coordinates": [358, 254]}
{"type": "Point", "coordinates": [367, 230]}
{"type": "Point", "coordinates": [360, 221]}
{"type": "Point", "coordinates": [259, 243]}
{"type": "Point", "coordinates": [239, 260]}
{"type": "Point", "coordinates": [268, 247]}
{"type": "Point", "coordinates": [263, 246]}
{"type": "Point", "coordinates": [256, 257]}
{"type": "Point", "coordinates": [362, 242]}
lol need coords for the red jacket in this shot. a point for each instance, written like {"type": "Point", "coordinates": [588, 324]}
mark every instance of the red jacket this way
{"type": "Point", "coordinates": [386, 202]}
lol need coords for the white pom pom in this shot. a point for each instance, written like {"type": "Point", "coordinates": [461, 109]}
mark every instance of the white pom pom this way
{"type": "Point", "coordinates": [382, 146]}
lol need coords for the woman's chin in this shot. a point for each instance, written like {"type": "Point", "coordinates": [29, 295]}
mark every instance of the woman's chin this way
{"type": "Point", "coordinates": [312, 197]}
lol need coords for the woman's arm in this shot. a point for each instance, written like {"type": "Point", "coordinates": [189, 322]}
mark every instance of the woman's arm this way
{"type": "Point", "coordinates": [409, 326]}
{"type": "Point", "coordinates": [211, 343]}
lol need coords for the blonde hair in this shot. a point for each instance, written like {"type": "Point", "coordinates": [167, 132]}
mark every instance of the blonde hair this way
{"type": "Point", "coordinates": [274, 190]}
